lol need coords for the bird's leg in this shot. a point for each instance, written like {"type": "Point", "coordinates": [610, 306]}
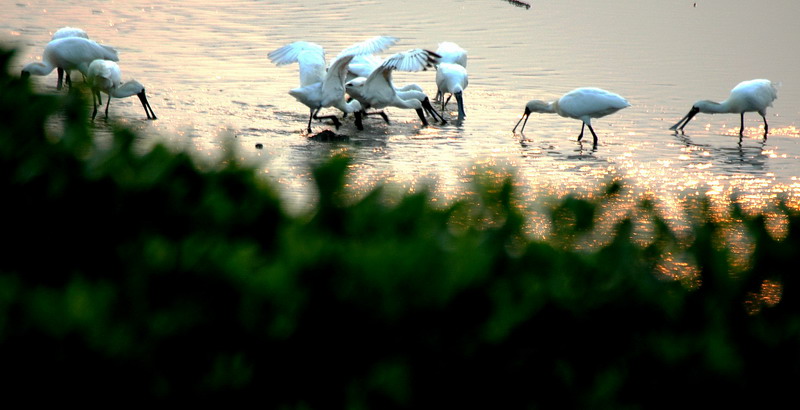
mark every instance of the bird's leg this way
{"type": "Point", "coordinates": [359, 125]}
{"type": "Point", "coordinates": [310, 116]}
{"type": "Point", "coordinates": [381, 113]}
{"type": "Point", "coordinates": [68, 79]}
{"type": "Point", "coordinates": [580, 136]}
{"type": "Point", "coordinates": [95, 103]}
{"type": "Point", "coordinates": [107, 104]}
{"type": "Point", "coordinates": [60, 77]}
{"type": "Point", "coordinates": [333, 118]}
{"type": "Point", "coordinates": [593, 135]}
{"type": "Point", "coordinates": [741, 127]}
{"type": "Point", "coordinates": [422, 117]}
{"type": "Point", "coordinates": [766, 126]}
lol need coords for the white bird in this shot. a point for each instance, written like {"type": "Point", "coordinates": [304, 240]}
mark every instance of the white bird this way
{"type": "Point", "coordinates": [63, 33]}
{"type": "Point", "coordinates": [452, 79]}
{"type": "Point", "coordinates": [747, 96]}
{"type": "Point", "coordinates": [450, 52]}
{"type": "Point", "coordinates": [106, 76]}
{"type": "Point", "coordinates": [378, 91]}
{"type": "Point", "coordinates": [70, 53]}
{"type": "Point", "coordinates": [320, 88]}
{"type": "Point", "coordinates": [69, 32]}
{"type": "Point", "coordinates": [581, 103]}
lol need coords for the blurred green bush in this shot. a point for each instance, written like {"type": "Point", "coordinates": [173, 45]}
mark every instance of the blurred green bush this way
{"type": "Point", "coordinates": [128, 277]}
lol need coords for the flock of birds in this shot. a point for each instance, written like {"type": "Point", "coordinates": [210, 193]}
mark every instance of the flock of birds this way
{"type": "Point", "coordinates": [71, 49]}
{"type": "Point", "coordinates": [357, 80]}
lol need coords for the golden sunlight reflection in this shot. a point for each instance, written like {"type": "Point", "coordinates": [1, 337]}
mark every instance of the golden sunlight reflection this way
{"type": "Point", "coordinates": [677, 267]}
{"type": "Point", "coordinates": [768, 296]}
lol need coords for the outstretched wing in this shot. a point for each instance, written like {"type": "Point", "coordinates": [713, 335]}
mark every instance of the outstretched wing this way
{"type": "Point", "coordinates": [369, 46]}
{"type": "Point", "coordinates": [378, 89]}
{"type": "Point", "coordinates": [412, 60]}
{"type": "Point", "coordinates": [309, 56]}
{"type": "Point", "coordinates": [452, 53]}
{"type": "Point", "coordinates": [333, 86]}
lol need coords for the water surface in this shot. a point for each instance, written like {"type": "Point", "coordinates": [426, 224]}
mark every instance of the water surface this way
{"type": "Point", "coordinates": [207, 76]}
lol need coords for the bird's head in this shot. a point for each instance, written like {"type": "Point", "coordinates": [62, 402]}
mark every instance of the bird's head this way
{"type": "Point", "coordinates": [538, 106]}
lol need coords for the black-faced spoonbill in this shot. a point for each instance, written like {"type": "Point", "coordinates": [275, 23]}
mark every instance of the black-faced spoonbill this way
{"type": "Point", "coordinates": [320, 88]}
{"type": "Point", "coordinates": [452, 53]}
{"type": "Point", "coordinates": [378, 91]}
{"type": "Point", "coordinates": [747, 96]}
{"type": "Point", "coordinates": [581, 103]}
{"type": "Point", "coordinates": [106, 76]}
{"type": "Point", "coordinates": [70, 53]}
{"type": "Point", "coordinates": [452, 79]}
{"type": "Point", "coordinates": [65, 32]}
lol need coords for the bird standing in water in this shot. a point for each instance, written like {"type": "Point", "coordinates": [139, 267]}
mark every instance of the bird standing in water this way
{"type": "Point", "coordinates": [70, 53]}
{"type": "Point", "coordinates": [581, 103]}
{"type": "Point", "coordinates": [321, 88]}
{"type": "Point", "coordinates": [747, 96]}
{"type": "Point", "coordinates": [106, 76]}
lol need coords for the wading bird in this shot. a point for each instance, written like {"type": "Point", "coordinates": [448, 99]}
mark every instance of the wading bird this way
{"type": "Point", "coordinates": [581, 103]}
{"type": "Point", "coordinates": [378, 91]}
{"type": "Point", "coordinates": [106, 76]}
{"type": "Point", "coordinates": [452, 79]}
{"type": "Point", "coordinates": [452, 53]}
{"type": "Point", "coordinates": [747, 96]}
{"type": "Point", "coordinates": [69, 53]}
{"type": "Point", "coordinates": [321, 88]}
{"type": "Point", "coordinates": [65, 32]}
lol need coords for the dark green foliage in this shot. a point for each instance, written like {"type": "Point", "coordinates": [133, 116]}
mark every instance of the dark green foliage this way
{"type": "Point", "coordinates": [127, 276]}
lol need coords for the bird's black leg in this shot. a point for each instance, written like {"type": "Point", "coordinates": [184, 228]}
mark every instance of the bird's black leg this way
{"type": "Point", "coordinates": [68, 79]}
{"type": "Point", "coordinates": [593, 135]}
{"type": "Point", "coordinates": [333, 118]}
{"type": "Point", "coordinates": [60, 77]}
{"type": "Point", "coordinates": [359, 125]}
{"type": "Point", "coordinates": [107, 104]}
{"type": "Point", "coordinates": [95, 101]}
{"type": "Point", "coordinates": [311, 115]}
{"type": "Point", "coordinates": [766, 126]}
{"type": "Point", "coordinates": [741, 127]}
{"type": "Point", "coordinates": [381, 113]}
{"type": "Point", "coordinates": [580, 136]}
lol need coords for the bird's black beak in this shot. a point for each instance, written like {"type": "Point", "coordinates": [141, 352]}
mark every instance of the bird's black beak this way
{"type": "Point", "coordinates": [525, 116]}
{"type": "Point", "coordinates": [685, 120]}
{"type": "Point", "coordinates": [146, 105]}
{"type": "Point", "coordinates": [426, 104]}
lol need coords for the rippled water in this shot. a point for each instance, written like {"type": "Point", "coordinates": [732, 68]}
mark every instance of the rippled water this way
{"type": "Point", "coordinates": [207, 76]}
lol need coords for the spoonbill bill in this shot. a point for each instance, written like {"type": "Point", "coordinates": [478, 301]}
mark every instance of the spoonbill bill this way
{"type": "Point", "coordinates": [747, 96]}
{"type": "Point", "coordinates": [450, 52]}
{"type": "Point", "coordinates": [378, 91]}
{"type": "Point", "coordinates": [64, 32]}
{"type": "Point", "coordinates": [452, 79]}
{"type": "Point", "coordinates": [581, 103]}
{"type": "Point", "coordinates": [105, 76]}
{"type": "Point", "coordinates": [321, 88]}
{"type": "Point", "coordinates": [69, 53]}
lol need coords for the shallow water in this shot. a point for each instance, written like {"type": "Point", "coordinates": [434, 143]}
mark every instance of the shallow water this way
{"type": "Point", "coordinates": [208, 79]}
